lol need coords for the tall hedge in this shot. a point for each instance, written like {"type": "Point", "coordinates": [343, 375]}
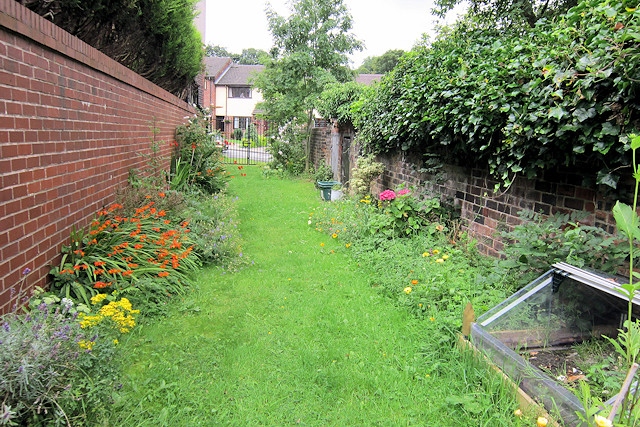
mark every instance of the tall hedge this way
{"type": "Point", "coordinates": [520, 101]}
{"type": "Point", "coordinates": [155, 38]}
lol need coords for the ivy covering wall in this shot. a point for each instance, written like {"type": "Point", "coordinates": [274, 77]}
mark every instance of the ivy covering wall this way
{"type": "Point", "coordinates": [518, 100]}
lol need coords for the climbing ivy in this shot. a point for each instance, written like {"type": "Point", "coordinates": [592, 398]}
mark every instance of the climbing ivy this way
{"type": "Point", "coordinates": [518, 100]}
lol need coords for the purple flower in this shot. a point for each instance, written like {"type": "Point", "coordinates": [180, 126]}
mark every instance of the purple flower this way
{"type": "Point", "coordinates": [26, 271]}
{"type": "Point", "coordinates": [6, 327]}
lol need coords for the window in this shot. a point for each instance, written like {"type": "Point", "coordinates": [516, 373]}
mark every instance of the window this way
{"type": "Point", "coordinates": [240, 92]}
{"type": "Point", "coordinates": [241, 122]}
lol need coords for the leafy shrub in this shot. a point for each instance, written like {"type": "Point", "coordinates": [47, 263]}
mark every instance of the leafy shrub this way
{"type": "Point", "coordinates": [238, 134]}
{"type": "Point", "coordinates": [196, 147]}
{"type": "Point", "coordinates": [287, 152]}
{"type": "Point", "coordinates": [539, 241]}
{"type": "Point", "coordinates": [323, 172]}
{"type": "Point", "coordinates": [362, 176]}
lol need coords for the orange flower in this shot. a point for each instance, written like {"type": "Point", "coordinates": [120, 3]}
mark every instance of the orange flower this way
{"type": "Point", "coordinates": [161, 194]}
{"type": "Point", "coordinates": [163, 274]}
{"type": "Point", "coordinates": [114, 271]}
{"type": "Point", "coordinates": [162, 213]}
{"type": "Point", "coordinates": [166, 221]}
{"type": "Point", "coordinates": [414, 282]}
{"type": "Point", "coordinates": [132, 265]}
{"type": "Point", "coordinates": [99, 263]}
{"type": "Point", "coordinates": [127, 273]}
{"type": "Point", "coordinates": [100, 285]}
{"type": "Point", "coordinates": [138, 246]}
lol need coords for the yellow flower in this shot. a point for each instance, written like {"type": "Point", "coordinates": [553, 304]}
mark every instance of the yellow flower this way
{"type": "Point", "coordinates": [407, 290]}
{"type": "Point", "coordinates": [518, 412]}
{"type": "Point", "coordinates": [348, 245]}
{"type": "Point", "coordinates": [435, 251]}
{"type": "Point", "coordinates": [542, 422]}
{"type": "Point", "coordinates": [440, 260]}
{"type": "Point", "coordinates": [116, 342]}
{"type": "Point", "coordinates": [334, 235]}
{"type": "Point", "coordinates": [426, 254]}
{"type": "Point", "coordinates": [433, 319]}
{"type": "Point", "coordinates": [602, 421]}
{"type": "Point", "coordinates": [445, 256]}
{"type": "Point", "coordinates": [98, 298]}
{"type": "Point", "coordinates": [86, 344]}
{"type": "Point", "coordinates": [322, 244]}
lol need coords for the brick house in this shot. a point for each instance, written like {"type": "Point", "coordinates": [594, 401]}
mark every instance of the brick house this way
{"type": "Point", "coordinates": [230, 97]}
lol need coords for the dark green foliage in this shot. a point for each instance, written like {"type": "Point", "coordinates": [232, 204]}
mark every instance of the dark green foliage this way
{"type": "Point", "coordinates": [156, 39]}
{"type": "Point", "coordinates": [336, 99]}
{"type": "Point", "coordinates": [532, 247]}
{"type": "Point", "coordinates": [519, 100]}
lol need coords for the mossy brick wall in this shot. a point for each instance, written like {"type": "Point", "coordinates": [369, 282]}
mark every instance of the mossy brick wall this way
{"type": "Point", "coordinates": [486, 213]}
{"type": "Point", "coordinates": [320, 145]}
{"type": "Point", "coordinates": [73, 123]}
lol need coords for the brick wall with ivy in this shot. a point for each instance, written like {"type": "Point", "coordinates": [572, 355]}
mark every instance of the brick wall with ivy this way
{"type": "Point", "coordinates": [486, 213]}
{"type": "Point", "coordinates": [73, 124]}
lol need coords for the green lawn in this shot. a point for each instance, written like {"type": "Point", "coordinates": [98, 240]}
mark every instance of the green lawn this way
{"type": "Point", "coordinates": [299, 337]}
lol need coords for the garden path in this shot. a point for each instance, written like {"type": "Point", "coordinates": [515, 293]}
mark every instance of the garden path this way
{"type": "Point", "coordinates": [298, 337]}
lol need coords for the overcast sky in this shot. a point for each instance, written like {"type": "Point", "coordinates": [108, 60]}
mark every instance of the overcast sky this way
{"type": "Point", "coordinates": [381, 24]}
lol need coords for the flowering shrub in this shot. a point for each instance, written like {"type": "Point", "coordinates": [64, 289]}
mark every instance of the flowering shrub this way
{"type": "Point", "coordinates": [402, 213]}
{"type": "Point", "coordinates": [387, 195]}
{"type": "Point", "coordinates": [55, 371]}
{"type": "Point", "coordinates": [363, 175]}
{"type": "Point", "coordinates": [119, 251]}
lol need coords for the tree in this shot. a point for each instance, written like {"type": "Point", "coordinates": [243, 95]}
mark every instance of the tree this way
{"type": "Point", "coordinates": [218, 51]}
{"type": "Point", "coordinates": [311, 48]}
{"type": "Point", "coordinates": [253, 56]}
{"type": "Point", "coordinates": [380, 64]}
{"type": "Point", "coordinates": [509, 13]}
{"type": "Point", "coordinates": [156, 39]}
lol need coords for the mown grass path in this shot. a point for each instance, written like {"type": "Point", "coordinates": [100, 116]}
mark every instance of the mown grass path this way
{"type": "Point", "coordinates": [297, 338]}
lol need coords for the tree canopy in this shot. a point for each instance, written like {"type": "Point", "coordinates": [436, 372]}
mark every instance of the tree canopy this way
{"type": "Point", "coordinates": [503, 13]}
{"type": "Point", "coordinates": [311, 48]}
{"type": "Point", "coordinates": [248, 56]}
{"type": "Point", "coordinates": [380, 64]}
{"type": "Point", "coordinates": [156, 39]}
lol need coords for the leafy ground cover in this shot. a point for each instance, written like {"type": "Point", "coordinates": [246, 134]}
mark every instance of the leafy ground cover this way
{"type": "Point", "coordinates": [302, 335]}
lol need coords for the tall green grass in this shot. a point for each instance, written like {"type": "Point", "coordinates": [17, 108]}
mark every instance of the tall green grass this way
{"type": "Point", "coordinates": [299, 337]}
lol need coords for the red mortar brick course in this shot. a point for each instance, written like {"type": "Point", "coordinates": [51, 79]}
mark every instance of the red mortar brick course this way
{"type": "Point", "coordinates": [73, 123]}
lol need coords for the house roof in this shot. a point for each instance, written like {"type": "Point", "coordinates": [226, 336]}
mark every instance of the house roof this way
{"type": "Point", "coordinates": [368, 79]}
{"type": "Point", "coordinates": [215, 66]}
{"type": "Point", "coordinates": [238, 74]}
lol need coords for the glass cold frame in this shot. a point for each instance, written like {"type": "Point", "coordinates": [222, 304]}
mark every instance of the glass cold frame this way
{"type": "Point", "coordinates": [564, 306]}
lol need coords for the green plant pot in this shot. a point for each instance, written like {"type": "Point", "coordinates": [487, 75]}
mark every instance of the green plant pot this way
{"type": "Point", "coordinates": [325, 189]}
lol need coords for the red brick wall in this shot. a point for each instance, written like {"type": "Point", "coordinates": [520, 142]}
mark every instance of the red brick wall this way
{"type": "Point", "coordinates": [73, 123]}
{"type": "Point", "coordinates": [486, 213]}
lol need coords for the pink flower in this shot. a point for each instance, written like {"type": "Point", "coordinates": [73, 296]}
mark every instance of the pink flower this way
{"type": "Point", "coordinates": [403, 192]}
{"type": "Point", "coordinates": [387, 195]}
